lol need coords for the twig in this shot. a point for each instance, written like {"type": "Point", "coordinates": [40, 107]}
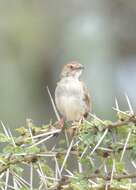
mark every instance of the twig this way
{"type": "Point", "coordinates": [117, 177]}
{"type": "Point", "coordinates": [118, 124]}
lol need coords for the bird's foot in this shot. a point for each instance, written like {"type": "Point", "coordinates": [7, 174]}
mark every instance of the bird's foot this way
{"type": "Point", "coordinates": [59, 124]}
{"type": "Point", "coordinates": [78, 122]}
{"type": "Point", "coordinates": [82, 120]}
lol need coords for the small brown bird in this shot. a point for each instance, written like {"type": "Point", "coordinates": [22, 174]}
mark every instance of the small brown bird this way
{"type": "Point", "coordinates": [71, 95]}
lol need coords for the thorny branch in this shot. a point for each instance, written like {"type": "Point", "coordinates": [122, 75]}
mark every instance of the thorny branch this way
{"type": "Point", "coordinates": [32, 136]}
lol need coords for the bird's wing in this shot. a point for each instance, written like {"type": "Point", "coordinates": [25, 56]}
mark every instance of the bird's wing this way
{"type": "Point", "coordinates": [86, 99]}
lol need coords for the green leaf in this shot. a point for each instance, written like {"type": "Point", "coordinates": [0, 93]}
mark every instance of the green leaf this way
{"type": "Point", "coordinates": [120, 166]}
{"type": "Point", "coordinates": [80, 183]}
{"type": "Point", "coordinates": [12, 149]}
{"type": "Point", "coordinates": [22, 130]}
{"type": "Point", "coordinates": [17, 169]}
{"type": "Point", "coordinates": [47, 170]}
{"type": "Point", "coordinates": [4, 138]}
{"type": "Point", "coordinates": [32, 150]}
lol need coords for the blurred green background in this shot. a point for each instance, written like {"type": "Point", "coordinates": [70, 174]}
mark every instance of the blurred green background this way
{"type": "Point", "coordinates": [38, 37]}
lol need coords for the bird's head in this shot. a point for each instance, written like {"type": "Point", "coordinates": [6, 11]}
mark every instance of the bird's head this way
{"type": "Point", "coordinates": [72, 69]}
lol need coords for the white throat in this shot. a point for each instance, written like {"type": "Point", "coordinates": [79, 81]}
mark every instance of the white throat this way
{"type": "Point", "coordinates": [78, 74]}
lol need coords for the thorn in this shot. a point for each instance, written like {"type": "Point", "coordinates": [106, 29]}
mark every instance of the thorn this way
{"type": "Point", "coordinates": [69, 172]}
{"type": "Point", "coordinates": [31, 135]}
{"type": "Point", "coordinates": [133, 163]}
{"type": "Point", "coordinates": [84, 151]}
{"type": "Point", "coordinates": [95, 117]}
{"type": "Point", "coordinates": [125, 145]}
{"type": "Point", "coordinates": [53, 104]}
{"type": "Point", "coordinates": [5, 130]}
{"type": "Point", "coordinates": [15, 183]}
{"type": "Point", "coordinates": [7, 179]}
{"type": "Point", "coordinates": [120, 111]}
{"type": "Point", "coordinates": [67, 154]}
{"type": "Point", "coordinates": [116, 103]}
{"type": "Point", "coordinates": [99, 142]}
{"type": "Point", "coordinates": [112, 172]}
{"type": "Point", "coordinates": [31, 176]}
{"type": "Point", "coordinates": [41, 141]}
{"type": "Point", "coordinates": [129, 104]}
{"type": "Point", "coordinates": [14, 144]}
{"type": "Point", "coordinates": [45, 134]}
{"type": "Point", "coordinates": [80, 167]}
{"type": "Point", "coordinates": [66, 137]}
{"type": "Point", "coordinates": [58, 173]}
{"type": "Point", "coordinates": [20, 179]}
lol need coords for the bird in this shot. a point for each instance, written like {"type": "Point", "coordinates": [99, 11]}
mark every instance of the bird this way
{"type": "Point", "coordinates": [72, 97]}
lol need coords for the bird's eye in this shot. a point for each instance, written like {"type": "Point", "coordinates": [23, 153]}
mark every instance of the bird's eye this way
{"type": "Point", "coordinates": [71, 67]}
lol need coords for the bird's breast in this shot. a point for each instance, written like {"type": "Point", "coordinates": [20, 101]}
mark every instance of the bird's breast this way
{"type": "Point", "coordinates": [69, 99]}
{"type": "Point", "coordinates": [70, 89]}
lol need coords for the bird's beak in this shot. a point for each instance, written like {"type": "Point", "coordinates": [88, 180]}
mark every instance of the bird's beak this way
{"type": "Point", "coordinates": [81, 67]}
